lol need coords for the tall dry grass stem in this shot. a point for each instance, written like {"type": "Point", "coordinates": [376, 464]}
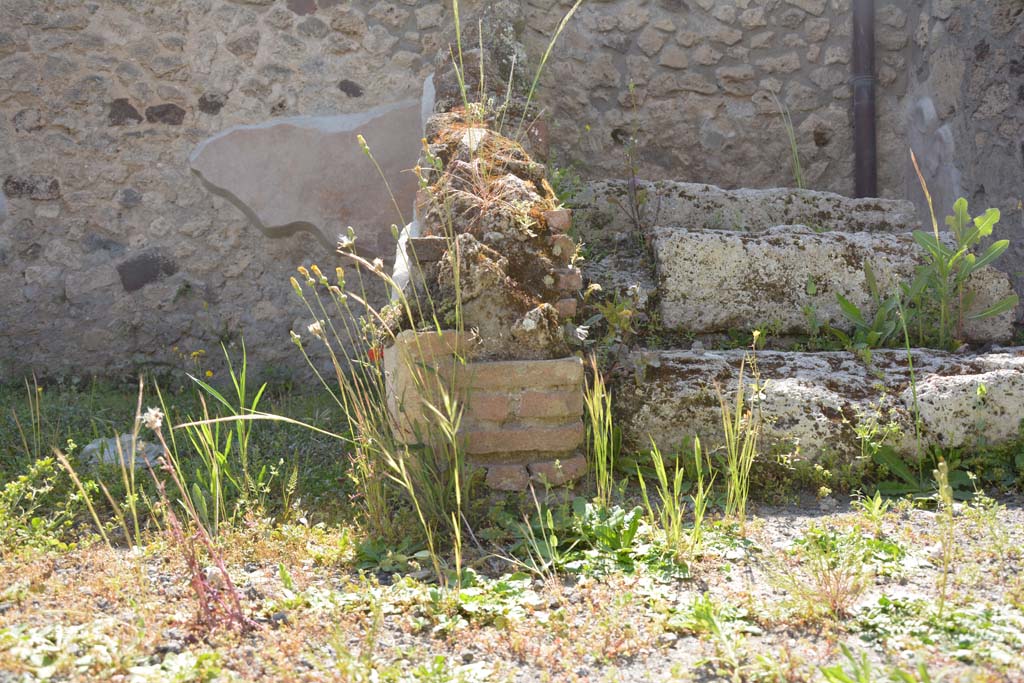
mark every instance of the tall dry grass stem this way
{"type": "Point", "coordinates": [600, 436]}
{"type": "Point", "coordinates": [741, 426]}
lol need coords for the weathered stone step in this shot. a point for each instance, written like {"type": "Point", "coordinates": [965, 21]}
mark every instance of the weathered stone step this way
{"type": "Point", "coordinates": [718, 280]}
{"type": "Point", "coordinates": [607, 208]}
{"type": "Point", "coordinates": [814, 403]}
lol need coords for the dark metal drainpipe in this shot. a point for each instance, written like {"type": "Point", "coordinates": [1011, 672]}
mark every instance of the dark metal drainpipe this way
{"type": "Point", "coordinates": [863, 83]}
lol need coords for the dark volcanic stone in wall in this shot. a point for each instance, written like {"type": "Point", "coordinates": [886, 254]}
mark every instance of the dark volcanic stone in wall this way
{"type": "Point", "coordinates": [212, 102]}
{"type": "Point", "coordinates": [40, 187]}
{"type": "Point", "coordinates": [171, 114]}
{"type": "Point", "coordinates": [144, 268]}
{"type": "Point", "coordinates": [129, 197]}
{"type": "Point", "coordinates": [7, 44]}
{"type": "Point", "coordinates": [123, 113]}
{"type": "Point", "coordinates": [350, 88]}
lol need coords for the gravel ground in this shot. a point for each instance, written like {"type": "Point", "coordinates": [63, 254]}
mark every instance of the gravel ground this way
{"type": "Point", "coordinates": [131, 617]}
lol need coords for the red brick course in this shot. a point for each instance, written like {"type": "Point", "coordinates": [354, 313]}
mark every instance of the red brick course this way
{"type": "Point", "coordinates": [518, 414]}
{"type": "Point", "coordinates": [518, 374]}
{"type": "Point", "coordinates": [542, 439]}
{"type": "Point", "coordinates": [489, 407]}
{"type": "Point", "coordinates": [551, 404]}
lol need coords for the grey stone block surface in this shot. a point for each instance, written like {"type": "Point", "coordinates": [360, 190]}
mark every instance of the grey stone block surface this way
{"type": "Point", "coordinates": [813, 403]}
{"type": "Point", "coordinates": [719, 280]}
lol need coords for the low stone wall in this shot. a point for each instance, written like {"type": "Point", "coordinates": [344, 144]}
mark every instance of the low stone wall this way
{"type": "Point", "coordinates": [614, 217]}
{"type": "Point", "coordinates": [522, 420]}
{"type": "Point", "coordinates": [814, 403]}
{"type": "Point", "coordinates": [724, 260]}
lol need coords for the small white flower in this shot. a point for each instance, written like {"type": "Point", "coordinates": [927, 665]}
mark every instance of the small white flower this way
{"type": "Point", "coordinates": [347, 242]}
{"type": "Point", "coordinates": [317, 330]}
{"type": "Point", "coordinates": [378, 264]}
{"type": "Point", "coordinates": [152, 418]}
{"type": "Point", "coordinates": [582, 332]}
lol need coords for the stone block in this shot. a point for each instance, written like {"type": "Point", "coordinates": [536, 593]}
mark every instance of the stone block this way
{"type": "Point", "coordinates": [817, 401]}
{"type": "Point", "coordinates": [38, 187]}
{"type": "Point", "coordinates": [427, 249]}
{"type": "Point", "coordinates": [212, 102]}
{"type": "Point", "coordinates": [413, 371]}
{"type": "Point", "coordinates": [558, 472]}
{"type": "Point", "coordinates": [786, 63]}
{"type": "Point", "coordinates": [142, 269]}
{"type": "Point", "coordinates": [815, 7]}
{"type": "Point", "coordinates": [719, 280]}
{"type": "Point", "coordinates": [563, 247]}
{"type": "Point", "coordinates": [123, 113]}
{"type": "Point", "coordinates": [566, 308]}
{"type": "Point", "coordinates": [702, 206]}
{"type": "Point", "coordinates": [674, 57]}
{"type": "Point", "coordinates": [169, 114]}
{"type": "Point", "coordinates": [753, 18]}
{"type": "Point", "coordinates": [507, 477]}
{"type": "Point", "coordinates": [675, 82]}
{"type": "Point", "coordinates": [651, 40]}
{"type": "Point", "coordinates": [569, 280]}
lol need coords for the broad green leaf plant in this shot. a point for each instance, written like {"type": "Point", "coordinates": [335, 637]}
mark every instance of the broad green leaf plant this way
{"type": "Point", "coordinates": [937, 302]}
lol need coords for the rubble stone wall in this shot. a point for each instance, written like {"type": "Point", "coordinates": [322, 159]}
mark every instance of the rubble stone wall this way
{"type": "Point", "coordinates": [707, 80]}
{"type": "Point", "coordinates": [113, 254]}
